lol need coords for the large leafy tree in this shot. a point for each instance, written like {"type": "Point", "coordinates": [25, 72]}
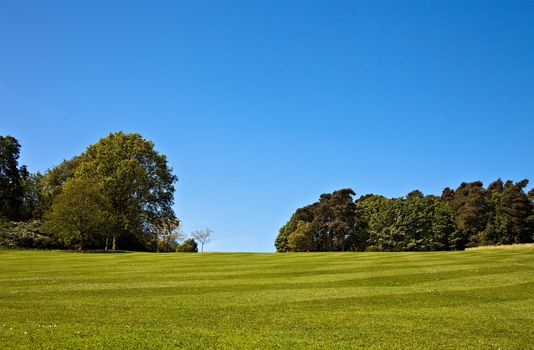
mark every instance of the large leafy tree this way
{"type": "Point", "coordinates": [136, 181]}
{"type": "Point", "coordinates": [80, 214]}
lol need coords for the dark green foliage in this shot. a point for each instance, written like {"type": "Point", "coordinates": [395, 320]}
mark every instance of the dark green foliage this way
{"type": "Point", "coordinates": [188, 246]}
{"type": "Point", "coordinates": [117, 192]}
{"type": "Point", "coordinates": [380, 215]}
{"type": "Point", "coordinates": [471, 208]}
{"type": "Point", "coordinates": [500, 214]}
{"type": "Point", "coordinates": [80, 215]}
{"type": "Point", "coordinates": [33, 200]}
{"type": "Point", "coordinates": [334, 222]}
{"type": "Point", "coordinates": [444, 228]}
{"type": "Point", "coordinates": [137, 183]}
{"type": "Point", "coordinates": [516, 211]}
{"type": "Point", "coordinates": [11, 180]}
{"type": "Point", "coordinates": [468, 216]}
{"type": "Point", "coordinates": [301, 214]}
{"type": "Point", "coordinates": [327, 225]}
{"type": "Point", "coordinates": [414, 223]}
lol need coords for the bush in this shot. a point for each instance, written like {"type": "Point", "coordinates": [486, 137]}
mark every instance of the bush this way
{"type": "Point", "coordinates": [188, 246]}
{"type": "Point", "coordinates": [373, 248]}
{"type": "Point", "coordinates": [25, 235]}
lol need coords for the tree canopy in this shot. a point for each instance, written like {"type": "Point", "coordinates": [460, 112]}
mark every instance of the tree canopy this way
{"type": "Point", "coordinates": [119, 192]}
{"type": "Point", "coordinates": [470, 215]}
{"type": "Point", "coordinates": [137, 183]}
{"type": "Point", "coordinates": [80, 215]}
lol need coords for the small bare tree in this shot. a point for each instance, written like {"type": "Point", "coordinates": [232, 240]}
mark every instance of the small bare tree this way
{"type": "Point", "coordinates": [202, 236]}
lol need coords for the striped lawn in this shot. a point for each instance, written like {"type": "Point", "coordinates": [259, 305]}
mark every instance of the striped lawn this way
{"type": "Point", "coordinates": [480, 299]}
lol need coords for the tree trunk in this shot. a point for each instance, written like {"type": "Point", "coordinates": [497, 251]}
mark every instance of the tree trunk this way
{"type": "Point", "coordinates": [114, 244]}
{"type": "Point", "coordinates": [107, 242]}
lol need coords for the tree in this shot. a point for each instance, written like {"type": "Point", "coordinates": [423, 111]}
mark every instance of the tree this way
{"type": "Point", "coordinates": [169, 233]}
{"type": "Point", "coordinates": [447, 195]}
{"type": "Point", "coordinates": [187, 246]}
{"type": "Point", "coordinates": [335, 221]}
{"type": "Point", "coordinates": [379, 214]}
{"type": "Point", "coordinates": [517, 210]}
{"type": "Point", "coordinates": [446, 234]}
{"type": "Point", "coordinates": [335, 225]}
{"type": "Point", "coordinates": [79, 215]}
{"type": "Point", "coordinates": [26, 234]}
{"type": "Point", "coordinates": [301, 214]}
{"type": "Point", "coordinates": [472, 210]}
{"type": "Point", "coordinates": [51, 183]}
{"type": "Point", "coordinates": [11, 179]}
{"type": "Point", "coordinates": [202, 236]}
{"type": "Point", "coordinates": [428, 224]}
{"type": "Point", "coordinates": [137, 182]}
{"type": "Point", "coordinates": [34, 203]}
{"type": "Point", "coordinates": [300, 239]}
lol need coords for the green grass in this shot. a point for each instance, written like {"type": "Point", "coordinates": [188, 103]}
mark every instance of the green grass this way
{"type": "Point", "coordinates": [481, 299]}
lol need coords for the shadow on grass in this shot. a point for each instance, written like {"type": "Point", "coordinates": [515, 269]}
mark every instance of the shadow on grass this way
{"type": "Point", "coordinates": [102, 251]}
{"type": "Point", "coordinates": [88, 251]}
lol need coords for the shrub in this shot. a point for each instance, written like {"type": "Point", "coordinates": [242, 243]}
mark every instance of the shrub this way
{"type": "Point", "coordinates": [188, 246]}
{"type": "Point", "coordinates": [373, 248]}
{"type": "Point", "coordinates": [25, 235]}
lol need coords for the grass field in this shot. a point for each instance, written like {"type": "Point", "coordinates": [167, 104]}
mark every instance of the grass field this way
{"type": "Point", "coordinates": [481, 299]}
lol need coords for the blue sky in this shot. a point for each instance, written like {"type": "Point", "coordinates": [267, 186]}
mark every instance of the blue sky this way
{"type": "Point", "coordinates": [261, 106]}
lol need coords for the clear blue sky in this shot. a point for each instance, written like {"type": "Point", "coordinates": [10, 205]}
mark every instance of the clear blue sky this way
{"type": "Point", "coordinates": [261, 106]}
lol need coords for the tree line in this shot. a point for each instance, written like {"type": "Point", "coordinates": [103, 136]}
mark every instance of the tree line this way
{"type": "Point", "coordinates": [117, 194]}
{"type": "Point", "coordinates": [468, 216]}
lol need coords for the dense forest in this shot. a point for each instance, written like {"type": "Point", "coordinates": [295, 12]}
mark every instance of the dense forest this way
{"type": "Point", "coordinates": [469, 216]}
{"type": "Point", "coordinates": [118, 194]}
